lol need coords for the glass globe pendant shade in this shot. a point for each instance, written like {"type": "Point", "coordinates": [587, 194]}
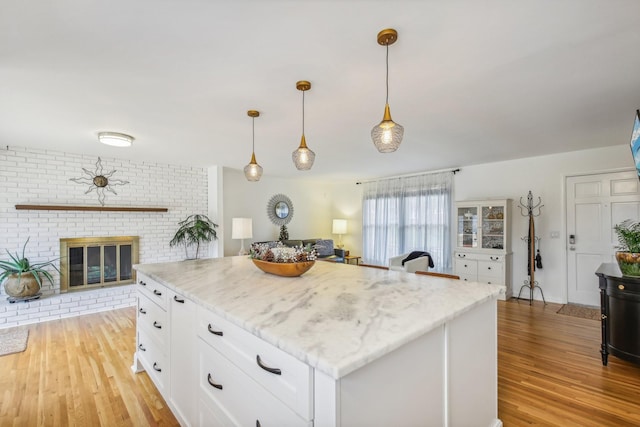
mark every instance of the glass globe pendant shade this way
{"type": "Point", "coordinates": [303, 157]}
{"type": "Point", "coordinates": [253, 171]}
{"type": "Point", "coordinates": [387, 135]}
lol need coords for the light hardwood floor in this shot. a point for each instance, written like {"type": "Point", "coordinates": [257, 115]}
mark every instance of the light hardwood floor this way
{"type": "Point", "coordinates": [76, 372]}
{"type": "Point", "coordinates": [550, 371]}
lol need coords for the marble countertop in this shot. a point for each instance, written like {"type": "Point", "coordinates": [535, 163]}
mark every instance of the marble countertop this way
{"type": "Point", "coordinates": [336, 317]}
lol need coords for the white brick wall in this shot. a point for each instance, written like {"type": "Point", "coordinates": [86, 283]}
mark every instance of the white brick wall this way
{"type": "Point", "coordinates": [30, 176]}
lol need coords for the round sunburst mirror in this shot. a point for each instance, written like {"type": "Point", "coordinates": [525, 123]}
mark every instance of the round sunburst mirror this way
{"type": "Point", "coordinates": [280, 210]}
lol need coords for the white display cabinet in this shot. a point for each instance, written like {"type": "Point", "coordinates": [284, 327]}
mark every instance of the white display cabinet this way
{"type": "Point", "coordinates": [483, 242]}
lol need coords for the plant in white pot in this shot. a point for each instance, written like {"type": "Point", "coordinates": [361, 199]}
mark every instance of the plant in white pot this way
{"type": "Point", "coordinates": [193, 231]}
{"type": "Point", "coordinates": [628, 255]}
{"type": "Point", "coordinates": [23, 279]}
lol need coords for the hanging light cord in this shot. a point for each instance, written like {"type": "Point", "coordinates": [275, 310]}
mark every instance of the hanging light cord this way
{"type": "Point", "coordinates": [387, 80]}
{"type": "Point", "coordinates": [303, 111]}
{"type": "Point", "coordinates": [253, 135]}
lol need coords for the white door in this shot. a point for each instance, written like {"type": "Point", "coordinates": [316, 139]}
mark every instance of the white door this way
{"type": "Point", "coordinates": [595, 203]}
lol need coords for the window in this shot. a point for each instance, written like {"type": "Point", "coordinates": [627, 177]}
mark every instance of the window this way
{"type": "Point", "coordinates": [401, 215]}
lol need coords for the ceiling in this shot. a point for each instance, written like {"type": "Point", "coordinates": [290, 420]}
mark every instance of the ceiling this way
{"type": "Point", "coordinates": [471, 81]}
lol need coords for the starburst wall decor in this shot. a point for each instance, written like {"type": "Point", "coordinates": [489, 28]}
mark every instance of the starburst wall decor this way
{"type": "Point", "coordinates": [99, 181]}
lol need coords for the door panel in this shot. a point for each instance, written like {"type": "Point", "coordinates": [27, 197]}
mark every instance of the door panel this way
{"type": "Point", "coordinates": [595, 203]}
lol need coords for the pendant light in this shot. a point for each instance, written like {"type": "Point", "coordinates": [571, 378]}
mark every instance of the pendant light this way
{"type": "Point", "coordinates": [303, 157]}
{"type": "Point", "coordinates": [387, 135]}
{"type": "Point", "coordinates": [253, 171]}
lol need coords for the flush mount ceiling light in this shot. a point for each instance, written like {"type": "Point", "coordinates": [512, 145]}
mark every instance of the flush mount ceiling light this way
{"type": "Point", "coordinates": [303, 157]}
{"type": "Point", "coordinates": [115, 139]}
{"type": "Point", "coordinates": [253, 171]}
{"type": "Point", "coordinates": [387, 135]}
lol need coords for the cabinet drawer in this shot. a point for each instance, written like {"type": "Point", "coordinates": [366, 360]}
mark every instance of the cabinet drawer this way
{"type": "Point", "coordinates": [294, 383]}
{"type": "Point", "coordinates": [232, 393]}
{"type": "Point", "coordinates": [152, 319]}
{"type": "Point", "coordinates": [154, 290]}
{"type": "Point", "coordinates": [466, 267]}
{"type": "Point", "coordinates": [154, 361]}
{"type": "Point", "coordinates": [491, 280]}
{"type": "Point", "coordinates": [490, 269]}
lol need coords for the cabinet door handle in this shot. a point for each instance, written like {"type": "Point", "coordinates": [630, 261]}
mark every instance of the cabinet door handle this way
{"type": "Point", "coordinates": [621, 287]}
{"type": "Point", "coordinates": [218, 333]}
{"type": "Point", "coordinates": [488, 268]}
{"type": "Point", "coordinates": [157, 292]}
{"type": "Point", "coordinates": [142, 283]}
{"type": "Point", "coordinates": [266, 368]}
{"type": "Point", "coordinates": [157, 325]}
{"type": "Point", "coordinates": [142, 310]}
{"type": "Point", "coordinates": [176, 299]}
{"type": "Point", "coordinates": [141, 347]}
{"type": "Point", "coordinates": [462, 255]}
{"type": "Point", "coordinates": [210, 381]}
{"type": "Point", "coordinates": [465, 266]}
{"type": "Point", "coordinates": [155, 366]}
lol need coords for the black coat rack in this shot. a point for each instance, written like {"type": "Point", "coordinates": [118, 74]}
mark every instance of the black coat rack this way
{"type": "Point", "coordinates": [533, 260]}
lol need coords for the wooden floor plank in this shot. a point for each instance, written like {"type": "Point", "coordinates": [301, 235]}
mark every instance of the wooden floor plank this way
{"type": "Point", "coordinates": [550, 372]}
{"type": "Point", "coordinates": [76, 372]}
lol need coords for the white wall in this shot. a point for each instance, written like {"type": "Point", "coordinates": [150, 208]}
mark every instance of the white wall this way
{"type": "Point", "coordinates": [544, 176]}
{"type": "Point", "coordinates": [29, 176]}
{"type": "Point", "coordinates": [315, 203]}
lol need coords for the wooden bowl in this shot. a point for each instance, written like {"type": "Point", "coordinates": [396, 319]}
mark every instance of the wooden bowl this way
{"type": "Point", "coordinates": [285, 269]}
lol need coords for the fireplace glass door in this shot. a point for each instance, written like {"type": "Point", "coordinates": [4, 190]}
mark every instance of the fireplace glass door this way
{"type": "Point", "coordinates": [97, 262]}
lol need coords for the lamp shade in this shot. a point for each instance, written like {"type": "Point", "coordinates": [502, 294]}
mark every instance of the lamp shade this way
{"type": "Point", "coordinates": [339, 226]}
{"type": "Point", "coordinates": [241, 228]}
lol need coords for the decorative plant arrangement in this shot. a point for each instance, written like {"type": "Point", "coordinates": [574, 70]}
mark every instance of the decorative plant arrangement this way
{"type": "Point", "coordinates": [628, 256]}
{"type": "Point", "coordinates": [281, 253]}
{"type": "Point", "coordinates": [193, 231]}
{"type": "Point", "coordinates": [281, 260]}
{"type": "Point", "coordinates": [23, 279]}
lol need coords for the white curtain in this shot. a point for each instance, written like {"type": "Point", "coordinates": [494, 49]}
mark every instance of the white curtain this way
{"type": "Point", "coordinates": [401, 215]}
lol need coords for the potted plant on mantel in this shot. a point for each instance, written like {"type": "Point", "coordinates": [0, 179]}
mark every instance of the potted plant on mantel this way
{"type": "Point", "coordinates": [193, 231]}
{"type": "Point", "coordinates": [628, 256]}
{"type": "Point", "coordinates": [23, 279]}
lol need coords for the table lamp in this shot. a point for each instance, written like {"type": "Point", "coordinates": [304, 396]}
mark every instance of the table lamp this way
{"type": "Point", "coordinates": [241, 228]}
{"type": "Point", "coordinates": [339, 228]}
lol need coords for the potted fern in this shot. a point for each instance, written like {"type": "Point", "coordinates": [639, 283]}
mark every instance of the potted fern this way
{"type": "Point", "coordinates": [193, 231]}
{"type": "Point", "coordinates": [23, 279]}
{"type": "Point", "coordinates": [628, 255]}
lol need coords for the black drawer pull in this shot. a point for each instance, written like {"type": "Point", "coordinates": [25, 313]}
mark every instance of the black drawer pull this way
{"type": "Point", "coordinates": [142, 310]}
{"type": "Point", "coordinates": [465, 265]}
{"type": "Point", "coordinates": [210, 381]}
{"type": "Point", "coordinates": [157, 292]}
{"type": "Point", "coordinates": [155, 366]}
{"type": "Point", "coordinates": [488, 268]}
{"type": "Point", "coordinates": [462, 255]}
{"type": "Point", "coordinates": [142, 283]}
{"type": "Point", "coordinates": [218, 333]}
{"type": "Point", "coordinates": [141, 347]}
{"type": "Point", "coordinates": [157, 325]}
{"type": "Point", "coordinates": [266, 368]}
{"type": "Point", "coordinates": [176, 299]}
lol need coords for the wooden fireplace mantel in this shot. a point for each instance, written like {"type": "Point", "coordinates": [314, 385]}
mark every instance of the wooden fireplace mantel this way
{"type": "Point", "coordinates": [89, 208]}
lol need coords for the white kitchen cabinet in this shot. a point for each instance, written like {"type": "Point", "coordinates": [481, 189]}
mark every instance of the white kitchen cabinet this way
{"type": "Point", "coordinates": [184, 358]}
{"type": "Point", "coordinates": [483, 243]}
{"type": "Point", "coordinates": [166, 346]}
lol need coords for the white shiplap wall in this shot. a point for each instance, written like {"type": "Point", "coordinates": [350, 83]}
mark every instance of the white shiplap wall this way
{"type": "Point", "coordinates": [29, 176]}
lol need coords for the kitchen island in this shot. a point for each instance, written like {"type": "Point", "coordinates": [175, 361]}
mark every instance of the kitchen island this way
{"type": "Point", "coordinates": [227, 344]}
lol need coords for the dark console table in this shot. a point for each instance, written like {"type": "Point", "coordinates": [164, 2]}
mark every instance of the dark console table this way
{"type": "Point", "coordinates": [620, 308]}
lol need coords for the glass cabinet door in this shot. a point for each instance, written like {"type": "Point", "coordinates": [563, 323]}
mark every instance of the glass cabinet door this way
{"type": "Point", "coordinates": [468, 227]}
{"type": "Point", "coordinates": [493, 218]}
